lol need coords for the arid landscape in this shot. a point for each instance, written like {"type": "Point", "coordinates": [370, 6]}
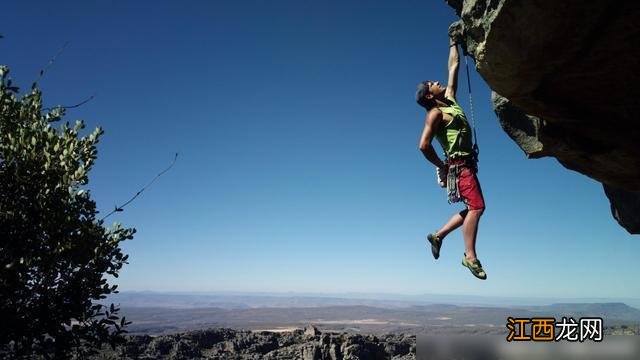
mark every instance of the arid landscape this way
{"type": "Point", "coordinates": [183, 326]}
{"type": "Point", "coordinates": [173, 313]}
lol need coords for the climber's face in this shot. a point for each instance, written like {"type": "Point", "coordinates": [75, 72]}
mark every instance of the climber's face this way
{"type": "Point", "coordinates": [435, 90]}
{"type": "Point", "coordinates": [428, 91]}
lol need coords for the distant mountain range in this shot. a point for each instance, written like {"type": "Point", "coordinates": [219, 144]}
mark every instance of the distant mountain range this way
{"type": "Point", "coordinates": [156, 313]}
{"type": "Point", "coordinates": [243, 300]}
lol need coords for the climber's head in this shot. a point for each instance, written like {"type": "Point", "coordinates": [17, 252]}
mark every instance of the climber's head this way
{"type": "Point", "coordinates": [427, 93]}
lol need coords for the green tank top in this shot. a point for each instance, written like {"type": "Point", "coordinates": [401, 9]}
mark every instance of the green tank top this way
{"type": "Point", "coordinates": [455, 136]}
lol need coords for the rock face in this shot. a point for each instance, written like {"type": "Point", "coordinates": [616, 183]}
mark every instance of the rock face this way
{"type": "Point", "coordinates": [625, 207]}
{"type": "Point", "coordinates": [308, 344]}
{"type": "Point", "coordinates": [566, 82]}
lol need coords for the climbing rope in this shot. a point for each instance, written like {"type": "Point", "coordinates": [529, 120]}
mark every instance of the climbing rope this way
{"type": "Point", "coordinates": [476, 149]}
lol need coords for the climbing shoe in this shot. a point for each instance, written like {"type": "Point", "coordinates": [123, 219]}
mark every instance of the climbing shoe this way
{"type": "Point", "coordinates": [436, 243]}
{"type": "Point", "coordinates": [475, 267]}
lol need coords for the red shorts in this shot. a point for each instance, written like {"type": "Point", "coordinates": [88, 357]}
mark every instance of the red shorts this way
{"type": "Point", "coordinates": [470, 190]}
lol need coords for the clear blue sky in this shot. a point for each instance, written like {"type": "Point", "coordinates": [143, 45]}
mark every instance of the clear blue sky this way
{"type": "Point", "coordinates": [299, 167]}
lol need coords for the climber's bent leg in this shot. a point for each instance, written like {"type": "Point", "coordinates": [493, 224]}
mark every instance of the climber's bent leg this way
{"type": "Point", "coordinates": [453, 223]}
{"type": "Point", "coordinates": [472, 194]}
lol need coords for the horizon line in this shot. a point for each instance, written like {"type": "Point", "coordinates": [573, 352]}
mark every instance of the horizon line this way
{"type": "Point", "coordinates": [361, 293]}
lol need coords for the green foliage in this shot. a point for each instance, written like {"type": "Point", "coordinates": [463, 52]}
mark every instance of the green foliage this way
{"type": "Point", "coordinates": [54, 253]}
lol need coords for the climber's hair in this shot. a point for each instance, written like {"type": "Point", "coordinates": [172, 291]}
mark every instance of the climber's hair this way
{"type": "Point", "coordinates": [423, 89]}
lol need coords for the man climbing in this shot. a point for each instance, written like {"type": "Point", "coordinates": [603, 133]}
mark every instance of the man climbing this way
{"type": "Point", "coordinates": [447, 122]}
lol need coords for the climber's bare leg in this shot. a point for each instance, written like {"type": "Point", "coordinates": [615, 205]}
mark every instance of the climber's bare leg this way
{"type": "Point", "coordinates": [470, 231]}
{"type": "Point", "coordinates": [455, 222]}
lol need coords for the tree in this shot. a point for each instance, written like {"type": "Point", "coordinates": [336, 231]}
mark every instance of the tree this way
{"type": "Point", "coordinates": [54, 254]}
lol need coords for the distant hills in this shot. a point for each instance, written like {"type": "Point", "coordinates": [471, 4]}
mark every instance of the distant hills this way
{"type": "Point", "coordinates": [156, 313]}
{"type": "Point", "coordinates": [241, 300]}
{"type": "Point", "coordinates": [613, 313]}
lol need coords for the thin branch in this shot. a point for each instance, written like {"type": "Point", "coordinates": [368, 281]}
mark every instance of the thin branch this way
{"type": "Point", "coordinates": [53, 59]}
{"type": "Point", "coordinates": [72, 106]}
{"type": "Point", "coordinates": [120, 208]}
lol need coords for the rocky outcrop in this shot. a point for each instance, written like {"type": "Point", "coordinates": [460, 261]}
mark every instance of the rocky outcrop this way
{"type": "Point", "coordinates": [308, 344]}
{"type": "Point", "coordinates": [625, 207]}
{"type": "Point", "coordinates": [565, 76]}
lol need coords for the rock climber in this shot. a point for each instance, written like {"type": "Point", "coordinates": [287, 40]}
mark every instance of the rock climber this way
{"type": "Point", "coordinates": [447, 122]}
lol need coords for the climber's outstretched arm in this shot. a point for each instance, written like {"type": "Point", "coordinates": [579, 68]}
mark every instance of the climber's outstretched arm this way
{"type": "Point", "coordinates": [454, 65]}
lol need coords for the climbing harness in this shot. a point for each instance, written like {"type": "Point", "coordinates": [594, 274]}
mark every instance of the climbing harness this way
{"type": "Point", "coordinates": [455, 167]}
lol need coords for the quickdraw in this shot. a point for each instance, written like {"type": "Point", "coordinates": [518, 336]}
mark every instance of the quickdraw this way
{"type": "Point", "coordinates": [453, 192]}
{"type": "Point", "coordinates": [455, 166]}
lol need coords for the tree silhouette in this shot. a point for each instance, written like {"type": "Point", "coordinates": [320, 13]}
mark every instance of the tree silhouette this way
{"type": "Point", "coordinates": [55, 255]}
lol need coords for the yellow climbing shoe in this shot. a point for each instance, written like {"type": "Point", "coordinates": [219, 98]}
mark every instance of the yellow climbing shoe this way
{"type": "Point", "coordinates": [436, 243]}
{"type": "Point", "coordinates": [475, 267]}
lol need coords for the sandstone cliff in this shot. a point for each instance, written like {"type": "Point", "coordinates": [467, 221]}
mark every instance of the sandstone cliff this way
{"type": "Point", "coordinates": [565, 80]}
